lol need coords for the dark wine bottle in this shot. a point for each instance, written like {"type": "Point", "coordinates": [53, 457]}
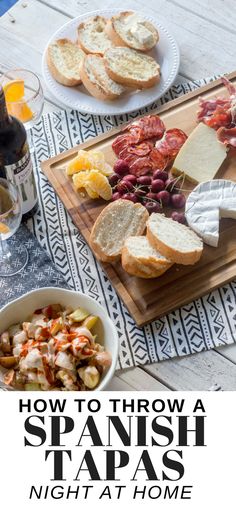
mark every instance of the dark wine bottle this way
{"type": "Point", "coordinates": [15, 160]}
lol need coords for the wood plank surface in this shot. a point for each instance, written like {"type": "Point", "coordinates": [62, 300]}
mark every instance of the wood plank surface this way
{"type": "Point", "coordinates": [202, 371]}
{"type": "Point", "coordinates": [199, 58]}
{"type": "Point", "coordinates": [136, 379]}
{"type": "Point", "coordinates": [147, 300]}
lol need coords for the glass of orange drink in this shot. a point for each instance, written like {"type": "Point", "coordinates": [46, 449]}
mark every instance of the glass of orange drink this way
{"type": "Point", "coordinates": [24, 96]}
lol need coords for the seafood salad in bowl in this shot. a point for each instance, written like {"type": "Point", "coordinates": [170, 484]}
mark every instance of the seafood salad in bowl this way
{"type": "Point", "coordinates": [57, 347]}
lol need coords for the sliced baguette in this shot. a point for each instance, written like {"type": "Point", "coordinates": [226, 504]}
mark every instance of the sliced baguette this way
{"type": "Point", "coordinates": [63, 59]}
{"type": "Point", "coordinates": [175, 241]}
{"type": "Point", "coordinates": [92, 37]}
{"type": "Point", "coordinates": [96, 80]}
{"type": "Point", "coordinates": [118, 221]}
{"type": "Point", "coordinates": [131, 68]}
{"type": "Point", "coordinates": [140, 259]}
{"type": "Point", "coordinates": [130, 29]}
{"type": "Point", "coordinates": [140, 270]}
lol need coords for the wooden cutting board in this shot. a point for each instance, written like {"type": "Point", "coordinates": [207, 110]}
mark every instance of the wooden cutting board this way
{"type": "Point", "coordinates": [148, 300]}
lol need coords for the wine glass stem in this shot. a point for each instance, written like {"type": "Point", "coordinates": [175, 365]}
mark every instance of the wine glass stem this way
{"type": "Point", "coordinates": [4, 250]}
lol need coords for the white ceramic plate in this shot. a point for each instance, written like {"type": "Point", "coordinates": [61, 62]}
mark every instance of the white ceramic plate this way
{"type": "Point", "coordinates": [21, 308]}
{"type": "Point", "coordinates": [166, 54]}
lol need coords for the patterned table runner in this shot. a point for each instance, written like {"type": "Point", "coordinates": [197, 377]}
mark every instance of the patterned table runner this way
{"type": "Point", "coordinates": [203, 324]}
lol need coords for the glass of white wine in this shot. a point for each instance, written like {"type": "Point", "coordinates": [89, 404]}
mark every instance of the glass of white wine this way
{"type": "Point", "coordinates": [13, 256]}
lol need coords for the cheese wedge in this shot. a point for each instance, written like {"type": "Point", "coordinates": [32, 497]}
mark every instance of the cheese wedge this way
{"type": "Point", "coordinates": [207, 204]}
{"type": "Point", "coordinates": [201, 155]}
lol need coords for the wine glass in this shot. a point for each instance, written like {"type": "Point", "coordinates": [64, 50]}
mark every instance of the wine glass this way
{"type": "Point", "coordinates": [13, 256]}
{"type": "Point", "coordinates": [24, 97]}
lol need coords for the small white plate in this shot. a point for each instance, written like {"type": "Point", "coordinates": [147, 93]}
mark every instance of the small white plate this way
{"type": "Point", "coordinates": [166, 53]}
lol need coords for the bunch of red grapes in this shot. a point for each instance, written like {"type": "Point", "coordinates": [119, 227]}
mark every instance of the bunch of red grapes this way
{"type": "Point", "coordinates": [154, 191]}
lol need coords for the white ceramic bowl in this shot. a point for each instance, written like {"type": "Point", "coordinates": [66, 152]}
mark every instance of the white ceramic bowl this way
{"type": "Point", "coordinates": [24, 306]}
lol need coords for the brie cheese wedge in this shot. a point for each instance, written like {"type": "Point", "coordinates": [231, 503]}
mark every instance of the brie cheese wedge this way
{"type": "Point", "coordinates": [207, 204]}
{"type": "Point", "coordinates": [200, 156]}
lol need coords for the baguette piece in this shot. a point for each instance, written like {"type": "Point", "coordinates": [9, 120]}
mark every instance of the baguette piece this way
{"type": "Point", "coordinates": [63, 59]}
{"type": "Point", "coordinates": [131, 68]}
{"type": "Point", "coordinates": [175, 241]}
{"type": "Point", "coordinates": [130, 29]}
{"type": "Point", "coordinates": [140, 259]}
{"type": "Point", "coordinates": [96, 80]}
{"type": "Point", "coordinates": [92, 37]}
{"type": "Point", "coordinates": [114, 225]}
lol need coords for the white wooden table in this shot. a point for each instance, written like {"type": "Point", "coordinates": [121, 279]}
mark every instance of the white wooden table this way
{"type": "Point", "coordinates": [206, 33]}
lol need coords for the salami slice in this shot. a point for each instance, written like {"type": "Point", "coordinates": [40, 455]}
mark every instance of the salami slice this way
{"type": "Point", "coordinates": [227, 136]}
{"type": "Point", "coordinates": [141, 166]}
{"type": "Point", "coordinates": [159, 161]}
{"type": "Point", "coordinates": [141, 149]}
{"type": "Point", "coordinates": [128, 157]}
{"type": "Point", "coordinates": [171, 143]}
{"type": "Point", "coordinates": [147, 128]}
{"type": "Point", "coordinates": [121, 142]}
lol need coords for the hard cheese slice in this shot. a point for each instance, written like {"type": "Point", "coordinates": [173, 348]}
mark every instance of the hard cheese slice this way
{"type": "Point", "coordinates": [201, 155]}
{"type": "Point", "coordinates": [206, 204]}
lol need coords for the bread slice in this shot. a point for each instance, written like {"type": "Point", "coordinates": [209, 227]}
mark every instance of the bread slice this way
{"type": "Point", "coordinates": [130, 29]}
{"type": "Point", "coordinates": [96, 80]}
{"type": "Point", "coordinates": [118, 221]}
{"type": "Point", "coordinates": [140, 259]}
{"type": "Point", "coordinates": [175, 241]}
{"type": "Point", "coordinates": [140, 270]}
{"type": "Point", "coordinates": [131, 68]}
{"type": "Point", "coordinates": [92, 37]}
{"type": "Point", "coordinates": [63, 59]}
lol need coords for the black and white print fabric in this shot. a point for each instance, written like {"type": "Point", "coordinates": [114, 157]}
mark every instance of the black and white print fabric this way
{"type": "Point", "coordinates": [203, 324]}
{"type": "Point", "coordinates": [39, 271]}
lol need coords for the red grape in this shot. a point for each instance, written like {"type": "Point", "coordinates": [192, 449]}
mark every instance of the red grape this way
{"type": "Point", "coordinates": [178, 200]}
{"type": "Point", "coordinates": [177, 216]}
{"type": "Point", "coordinates": [160, 175]}
{"type": "Point", "coordinates": [130, 178]}
{"type": "Point", "coordinates": [130, 196]}
{"type": "Point", "coordinates": [124, 186]}
{"type": "Point", "coordinates": [152, 196]}
{"type": "Point", "coordinates": [157, 186]}
{"type": "Point", "coordinates": [144, 180]}
{"type": "Point", "coordinates": [116, 196]}
{"type": "Point", "coordinates": [113, 179]}
{"type": "Point", "coordinates": [170, 184]}
{"type": "Point", "coordinates": [121, 167]}
{"type": "Point", "coordinates": [164, 198]}
{"type": "Point", "coordinates": [142, 191]}
{"type": "Point", "coordinates": [152, 206]}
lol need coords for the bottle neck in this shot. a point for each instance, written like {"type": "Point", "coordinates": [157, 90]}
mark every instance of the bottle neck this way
{"type": "Point", "coordinates": [4, 117]}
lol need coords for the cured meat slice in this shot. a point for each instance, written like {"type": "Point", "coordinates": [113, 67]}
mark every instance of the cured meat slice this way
{"type": "Point", "coordinates": [227, 136]}
{"type": "Point", "coordinates": [220, 118]}
{"type": "Point", "coordinates": [141, 166]}
{"type": "Point", "coordinates": [159, 161]}
{"type": "Point", "coordinates": [208, 108]}
{"type": "Point", "coordinates": [141, 149]}
{"type": "Point", "coordinates": [147, 128]}
{"type": "Point", "coordinates": [122, 141]}
{"type": "Point", "coordinates": [229, 86]}
{"type": "Point", "coordinates": [129, 158]}
{"type": "Point", "coordinates": [219, 112]}
{"type": "Point", "coordinates": [171, 143]}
